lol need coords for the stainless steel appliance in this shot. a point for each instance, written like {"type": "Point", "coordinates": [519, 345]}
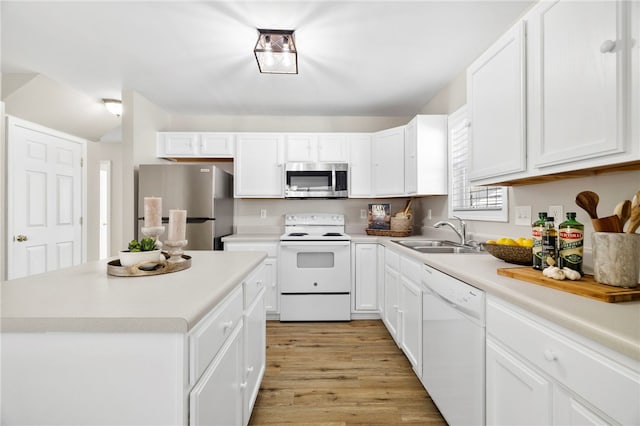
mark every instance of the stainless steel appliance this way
{"type": "Point", "coordinates": [316, 180]}
{"type": "Point", "coordinates": [203, 190]}
{"type": "Point", "coordinates": [315, 268]}
{"type": "Point", "coordinates": [453, 335]}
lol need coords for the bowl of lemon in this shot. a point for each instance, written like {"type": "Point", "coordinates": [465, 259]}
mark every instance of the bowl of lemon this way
{"type": "Point", "coordinates": [518, 251]}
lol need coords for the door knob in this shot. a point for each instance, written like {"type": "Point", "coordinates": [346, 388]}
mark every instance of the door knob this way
{"type": "Point", "coordinates": [20, 238]}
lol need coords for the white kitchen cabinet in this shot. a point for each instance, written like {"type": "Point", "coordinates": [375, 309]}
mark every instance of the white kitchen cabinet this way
{"type": "Point", "coordinates": [388, 162]}
{"type": "Point", "coordinates": [316, 147]}
{"type": "Point", "coordinates": [534, 366]}
{"type": "Point", "coordinates": [217, 397]}
{"type": "Point", "coordinates": [410, 312]}
{"type": "Point", "coordinates": [496, 103]}
{"type": "Point", "coordinates": [364, 257]}
{"type": "Point", "coordinates": [391, 293]}
{"type": "Point", "coordinates": [271, 287]}
{"type": "Point", "coordinates": [360, 165]}
{"type": "Point", "coordinates": [577, 74]}
{"type": "Point", "coordinates": [254, 340]}
{"type": "Point", "coordinates": [195, 145]}
{"type": "Point", "coordinates": [258, 166]}
{"type": "Point", "coordinates": [425, 155]}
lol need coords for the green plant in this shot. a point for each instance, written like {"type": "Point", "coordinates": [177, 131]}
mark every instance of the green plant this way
{"type": "Point", "coordinates": [145, 244]}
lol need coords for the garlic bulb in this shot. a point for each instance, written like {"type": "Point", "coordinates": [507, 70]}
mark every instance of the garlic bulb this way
{"type": "Point", "coordinates": [554, 272]}
{"type": "Point", "coordinates": [571, 274]}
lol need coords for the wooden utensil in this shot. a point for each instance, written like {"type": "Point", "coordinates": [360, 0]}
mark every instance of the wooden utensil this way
{"type": "Point", "coordinates": [634, 222]}
{"type": "Point", "coordinates": [623, 211]}
{"type": "Point", "coordinates": [607, 224]}
{"type": "Point", "coordinates": [635, 202]}
{"type": "Point", "coordinates": [588, 201]}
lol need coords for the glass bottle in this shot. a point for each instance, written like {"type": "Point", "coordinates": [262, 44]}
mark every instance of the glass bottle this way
{"type": "Point", "coordinates": [536, 235]}
{"type": "Point", "coordinates": [570, 243]}
{"type": "Point", "coordinates": [549, 243]}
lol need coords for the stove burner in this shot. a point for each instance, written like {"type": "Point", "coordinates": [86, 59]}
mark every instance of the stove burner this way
{"type": "Point", "coordinates": [298, 234]}
{"type": "Point", "coordinates": [332, 234]}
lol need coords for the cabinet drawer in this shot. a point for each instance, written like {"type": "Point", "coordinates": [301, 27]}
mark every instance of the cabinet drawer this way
{"type": "Point", "coordinates": [600, 380]}
{"type": "Point", "coordinates": [392, 259]}
{"type": "Point", "coordinates": [209, 335]}
{"type": "Point", "coordinates": [410, 269]}
{"type": "Point", "coordinates": [253, 284]}
{"type": "Point", "coordinates": [270, 248]}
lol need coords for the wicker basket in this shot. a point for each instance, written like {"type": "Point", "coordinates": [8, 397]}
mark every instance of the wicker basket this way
{"type": "Point", "coordinates": [387, 233]}
{"type": "Point", "coordinates": [512, 254]}
{"type": "Point", "coordinates": [401, 224]}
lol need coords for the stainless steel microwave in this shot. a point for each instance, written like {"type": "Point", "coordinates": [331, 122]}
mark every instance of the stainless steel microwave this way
{"type": "Point", "coordinates": [316, 180]}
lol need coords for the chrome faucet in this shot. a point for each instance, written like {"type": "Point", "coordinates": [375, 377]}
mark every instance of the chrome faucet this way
{"type": "Point", "coordinates": [461, 233]}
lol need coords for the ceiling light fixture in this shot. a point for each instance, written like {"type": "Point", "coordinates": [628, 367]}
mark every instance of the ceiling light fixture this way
{"type": "Point", "coordinates": [114, 106]}
{"type": "Point", "coordinates": [276, 52]}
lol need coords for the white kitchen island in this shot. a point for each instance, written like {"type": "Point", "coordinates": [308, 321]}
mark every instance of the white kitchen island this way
{"type": "Point", "coordinates": [83, 347]}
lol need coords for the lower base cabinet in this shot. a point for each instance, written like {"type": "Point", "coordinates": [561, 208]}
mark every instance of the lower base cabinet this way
{"type": "Point", "coordinates": [538, 373]}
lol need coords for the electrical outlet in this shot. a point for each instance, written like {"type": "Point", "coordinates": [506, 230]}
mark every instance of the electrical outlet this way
{"type": "Point", "coordinates": [263, 213]}
{"type": "Point", "coordinates": [429, 217]}
{"type": "Point", "coordinates": [557, 213]}
{"type": "Point", "coordinates": [523, 215]}
{"type": "Point", "coordinates": [363, 213]}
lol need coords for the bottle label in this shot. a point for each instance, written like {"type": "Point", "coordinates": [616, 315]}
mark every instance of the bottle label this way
{"type": "Point", "coordinates": [571, 248]}
{"type": "Point", "coordinates": [536, 234]}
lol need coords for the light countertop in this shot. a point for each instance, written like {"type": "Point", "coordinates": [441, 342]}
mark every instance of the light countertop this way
{"type": "Point", "coordinates": [86, 298]}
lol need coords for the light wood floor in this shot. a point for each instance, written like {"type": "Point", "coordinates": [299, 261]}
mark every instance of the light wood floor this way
{"type": "Point", "coordinates": [339, 374]}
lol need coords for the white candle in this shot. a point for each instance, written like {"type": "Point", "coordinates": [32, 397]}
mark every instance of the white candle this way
{"type": "Point", "coordinates": [177, 225]}
{"type": "Point", "coordinates": [152, 211]}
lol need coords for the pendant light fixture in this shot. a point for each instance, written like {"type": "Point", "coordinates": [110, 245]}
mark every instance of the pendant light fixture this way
{"type": "Point", "coordinates": [276, 52]}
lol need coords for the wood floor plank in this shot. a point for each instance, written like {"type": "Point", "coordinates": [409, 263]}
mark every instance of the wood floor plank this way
{"type": "Point", "coordinates": [339, 374]}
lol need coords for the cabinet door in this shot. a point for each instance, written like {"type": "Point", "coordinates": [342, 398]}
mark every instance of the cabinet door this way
{"type": "Point", "coordinates": [216, 145]}
{"type": "Point", "coordinates": [366, 288]}
{"type": "Point", "coordinates": [217, 399]}
{"type": "Point", "coordinates": [272, 292]}
{"type": "Point", "coordinates": [255, 353]}
{"type": "Point", "coordinates": [577, 82]}
{"type": "Point", "coordinates": [411, 320]}
{"type": "Point", "coordinates": [177, 144]}
{"type": "Point", "coordinates": [390, 317]}
{"type": "Point", "coordinates": [388, 162]}
{"type": "Point", "coordinates": [332, 148]}
{"type": "Point", "coordinates": [496, 98]}
{"type": "Point", "coordinates": [301, 147]}
{"type": "Point", "coordinates": [360, 166]}
{"type": "Point", "coordinates": [411, 157]}
{"type": "Point", "coordinates": [516, 395]}
{"type": "Point", "coordinates": [570, 411]}
{"type": "Point", "coordinates": [258, 167]}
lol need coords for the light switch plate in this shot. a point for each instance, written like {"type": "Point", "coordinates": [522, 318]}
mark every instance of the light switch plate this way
{"type": "Point", "coordinates": [363, 213]}
{"type": "Point", "coordinates": [263, 213]}
{"type": "Point", "coordinates": [523, 215]}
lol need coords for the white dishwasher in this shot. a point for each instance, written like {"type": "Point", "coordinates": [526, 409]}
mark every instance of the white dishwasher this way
{"type": "Point", "coordinates": [453, 347]}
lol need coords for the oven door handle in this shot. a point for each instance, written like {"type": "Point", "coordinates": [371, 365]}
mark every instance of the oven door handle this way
{"type": "Point", "coordinates": [314, 243]}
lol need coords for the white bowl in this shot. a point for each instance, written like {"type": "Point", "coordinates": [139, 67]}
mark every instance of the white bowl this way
{"type": "Point", "coordinates": [130, 258]}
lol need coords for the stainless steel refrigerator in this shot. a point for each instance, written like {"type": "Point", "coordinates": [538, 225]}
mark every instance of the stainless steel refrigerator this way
{"type": "Point", "coordinates": [203, 190]}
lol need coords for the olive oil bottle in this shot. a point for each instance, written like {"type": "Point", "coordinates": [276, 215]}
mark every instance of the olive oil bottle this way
{"type": "Point", "coordinates": [536, 234]}
{"type": "Point", "coordinates": [549, 243]}
{"type": "Point", "coordinates": [570, 243]}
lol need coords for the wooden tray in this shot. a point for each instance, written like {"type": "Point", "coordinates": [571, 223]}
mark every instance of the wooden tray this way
{"type": "Point", "coordinates": [586, 286]}
{"type": "Point", "coordinates": [387, 233]}
{"type": "Point", "coordinates": [148, 268]}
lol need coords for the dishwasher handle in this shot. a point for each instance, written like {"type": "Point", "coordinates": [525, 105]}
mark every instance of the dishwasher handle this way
{"type": "Point", "coordinates": [460, 307]}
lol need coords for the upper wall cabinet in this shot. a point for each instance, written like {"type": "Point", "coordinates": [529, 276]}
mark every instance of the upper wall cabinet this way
{"type": "Point", "coordinates": [314, 147]}
{"type": "Point", "coordinates": [578, 77]}
{"type": "Point", "coordinates": [258, 171]}
{"type": "Point", "coordinates": [193, 145]}
{"type": "Point", "coordinates": [496, 99]}
{"type": "Point", "coordinates": [425, 155]}
{"type": "Point", "coordinates": [388, 162]}
{"type": "Point", "coordinates": [360, 173]}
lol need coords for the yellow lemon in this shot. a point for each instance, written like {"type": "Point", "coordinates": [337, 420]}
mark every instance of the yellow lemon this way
{"type": "Point", "coordinates": [527, 242]}
{"type": "Point", "coordinates": [491, 241]}
{"type": "Point", "coordinates": [507, 242]}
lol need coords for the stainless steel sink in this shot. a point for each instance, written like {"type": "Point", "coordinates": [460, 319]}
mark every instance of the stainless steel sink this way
{"type": "Point", "coordinates": [438, 246]}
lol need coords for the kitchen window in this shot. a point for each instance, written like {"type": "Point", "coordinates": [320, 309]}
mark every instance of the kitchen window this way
{"type": "Point", "coordinates": [467, 201]}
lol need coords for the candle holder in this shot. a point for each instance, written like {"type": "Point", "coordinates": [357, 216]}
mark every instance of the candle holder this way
{"type": "Point", "coordinates": [153, 232]}
{"type": "Point", "coordinates": [174, 249]}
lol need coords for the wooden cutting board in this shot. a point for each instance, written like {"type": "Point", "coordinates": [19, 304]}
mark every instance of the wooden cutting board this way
{"type": "Point", "coordinates": [587, 286]}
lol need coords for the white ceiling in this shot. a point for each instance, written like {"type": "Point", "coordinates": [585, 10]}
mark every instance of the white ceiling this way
{"type": "Point", "coordinates": [365, 58]}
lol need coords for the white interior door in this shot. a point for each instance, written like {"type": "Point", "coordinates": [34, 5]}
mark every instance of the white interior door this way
{"type": "Point", "coordinates": [45, 199]}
